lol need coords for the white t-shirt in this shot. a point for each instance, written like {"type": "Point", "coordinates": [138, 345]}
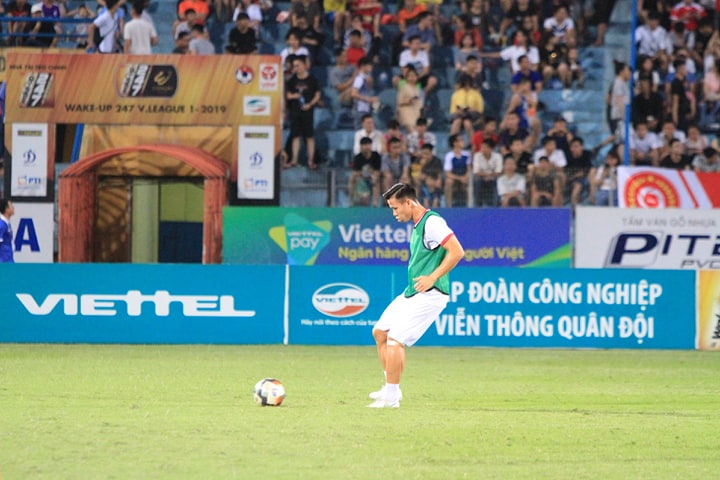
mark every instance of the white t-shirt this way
{"type": "Point", "coordinates": [512, 53]}
{"type": "Point", "coordinates": [107, 25]}
{"type": "Point", "coordinates": [436, 232]}
{"type": "Point", "coordinates": [493, 164]}
{"type": "Point", "coordinates": [557, 157]}
{"type": "Point", "coordinates": [644, 145]}
{"type": "Point", "coordinates": [507, 185]}
{"type": "Point", "coordinates": [559, 30]}
{"type": "Point", "coordinates": [359, 84]}
{"type": "Point", "coordinates": [377, 140]}
{"type": "Point", "coordinates": [140, 33]}
{"type": "Point", "coordinates": [420, 61]}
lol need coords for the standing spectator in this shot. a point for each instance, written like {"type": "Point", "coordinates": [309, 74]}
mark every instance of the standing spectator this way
{"type": "Point", "coordinates": [430, 177]}
{"type": "Point", "coordinates": [707, 161]}
{"type": "Point", "coordinates": [341, 77]}
{"type": "Point", "coordinates": [648, 106]}
{"type": "Point", "coordinates": [81, 28]}
{"type": "Point", "coordinates": [619, 97]}
{"type": "Point", "coordinates": [107, 26]}
{"type": "Point", "coordinates": [466, 108]}
{"type": "Point", "coordinates": [420, 137]}
{"type": "Point", "coordinates": [511, 186]}
{"type": "Point", "coordinates": [395, 166]}
{"type": "Point", "coordinates": [677, 159]}
{"type": "Point", "coordinates": [544, 186]}
{"type": "Point", "coordinates": [579, 170]}
{"type": "Point", "coordinates": [140, 36]}
{"type": "Point", "coordinates": [682, 105]}
{"type": "Point", "coordinates": [242, 38]}
{"type": "Point", "coordinates": [365, 166]}
{"type": "Point", "coordinates": [487, 167]}
{"type": "Point", "coordinates": [457, 166]}
{"type": "Point", "coordinates": [7, 210]}
{"type": "Point", "coordinates": [410, 98]}
{"type": "Point", "coordinates": [368, 130]}
{"type": "Point", "coordinates": [199, 43]}
{"type": "Point", "coordinates": [361, 93]}
{"type": "Point", "coordinates": [302, 94]}
{"type": "Point", "coordinates": [17, 8]}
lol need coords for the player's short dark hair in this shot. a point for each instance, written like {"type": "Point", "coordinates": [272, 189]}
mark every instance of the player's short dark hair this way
{"type": "Point", "coordinates": [4, 202]}
{"type": "Point", "coordinates": [366, 116]}
{"type": "Point", "coordinates": [365, 141]}
{"type": "Point", "coordinates": [577, 140]}
{"type": "Point", "coordinates": [400, 191]}
{"type": "Point", "coordinates": [365, 61]}
{"type": "Point", "coordinates": [421, 121]}
{"type": "Point", "coordinates": [242, 16]}
{"type": "Point", "coordinates": [413, 37]}
{"type": "Point", "coordinates": [427, 146]}
{"type": "Point", "coordinates": [489, 142]}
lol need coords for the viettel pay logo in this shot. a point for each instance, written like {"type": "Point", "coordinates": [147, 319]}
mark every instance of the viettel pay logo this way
{"type": "Point", "coordinates": [340, 300]}
{"type": "Point", "coordinates": [301, 239]}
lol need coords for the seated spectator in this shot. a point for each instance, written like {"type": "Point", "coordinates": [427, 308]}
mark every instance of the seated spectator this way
{"type": "Point", "coordinates": [361, 93]}
{"type": "Point", "coordinates": [308, 9]}
{"type": "Point", "coordinates": [603, 186]}
{"type": "Point", "coordinates": [293, 41]}
{"type": "Point", "coordinates": [712, 51]}
{"type": "Point", "coordinates": [544, 186]}
{"type": "Point", "coordinates": [653, 41]}
{"type": "Point", "coordinates": [562, 134]}
{"type": "Point", "coordinates": [711, 92]}
{"type": "Point", "coordinates": [81, 28]}
{"type": "Point", "coordinates": [310, 38]}
{"type": "Point", "coordinates": [555, 156]}
{"type": "Point", "coordinates": [410, 99]}
{"type": "Point", "coordinates": [395, 166]}
{"type": "Point", "coordinates": [341, 76]}
{"type": "Point", "coordinates": [369, 11]}
{"type": "Point", "coordinates": [466, 48]}
{"type": "Point", "coordinates": [407, 15]}
{"type": "Point", "coordinates": [511, 186]}
{"type": "Point", "coordinates": [561, 26]}
{"type": "Point", "coordinates": [524, 104]}
{"type": "Point", "coordinates": [648, 106]}
{"type": "Point", "coordinates": [420, 137]}
{"type": "Point", "coordinates": [182, 43]}
{"type": "Point", "coordinates": [185, 23]}
{"type": "Point", "coordinates": [430, 177]}
{"type": "Point", "coordinates": [487, 132]}
{"type": "Point", "coordinates": [688, 13]}
{"type": "Point", "coordinates": [696, 142]}
{"type": "Point", "coordinates": [516, 14]}
{"type": "Point", "coordinates": [555, 62]}
{"type": "Point", "coordinates": [668, 133]}
{"type": "Point", "coordinates": [523, 159]}
{"type": "Point", "coordinates": [645, 71]}
{"type": "Point", "coordinates": [520, 46]}
{"type": "Point", "coordinates": [242, 38]}
{"type": "Point", "coordinates": [356, 23]}
{"type": "Point", "coordinates": [199, 42]}
{"type": "Point", "coordinates": [473, 69]}
{"type": "Point", "coordinates": [302, 94]}
{"type": "Point", "coordinates": [579, 170]}
{"type": "Point", "coordinates": [676, 159]}
{"type": "Point", "coordinates": [487, 167]}
{"type": "Point", "coordinates": [393, 131]}
{"type": "Point", "coordinates": [419, 59]}
{"type": "Point", "coordinates": [643, 146]}
{"type": "Point", "coordinates": [337, 13]}
{"type": "Point", "coordinates": [42, 34]}
{"type": "Point", "coordinates": [368, 130]}
{"type": "Point", "coordinates": [526, 71]}
{"type": "Point", "coordinates": [423, 30]}
{"type": "Point", "coordinates": [457, 167]}
{"type": "Point", "coordinates": [365, 167]}
{"type": "Point", "coordinates": [355, 49]}
{"type": "Point", "coordinates": [466, 108]}
{"type": "Point", "coordinates": [464, 28]}
{"type": "Point", "coordinates": [707, 161]}
{"type": "Point", "coordinates": [510, 130]}
{"type": "Point", "coordinates": [253, 12]}
{"type": "Point", "coordinates": [199, 7]}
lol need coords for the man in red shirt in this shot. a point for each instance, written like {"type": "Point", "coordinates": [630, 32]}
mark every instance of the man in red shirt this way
{"type": "Point", "coordinates": [688, 13]}
{"type": "Point", "coordinates": [201, 8]}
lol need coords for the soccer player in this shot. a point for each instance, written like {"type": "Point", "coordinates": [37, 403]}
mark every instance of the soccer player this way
{"type": "Point", "coordinates": [6, 248]}
{"type": "Point", "coordinates": [434, 251]}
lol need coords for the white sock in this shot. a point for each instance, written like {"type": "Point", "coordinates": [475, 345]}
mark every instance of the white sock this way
{"type": "Point", "coordinates": [392, 392]}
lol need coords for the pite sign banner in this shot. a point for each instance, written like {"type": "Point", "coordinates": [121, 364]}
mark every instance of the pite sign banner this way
{"type": "Point", "coordinates": [647, 238]}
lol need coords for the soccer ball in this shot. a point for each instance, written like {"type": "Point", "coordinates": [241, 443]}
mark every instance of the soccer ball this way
{"type": "Point", "coordinates": [269, 392]}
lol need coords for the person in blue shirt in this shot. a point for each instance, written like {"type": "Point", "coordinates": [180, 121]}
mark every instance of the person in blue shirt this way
{"type": "Point", "coordinates": [7, 210]}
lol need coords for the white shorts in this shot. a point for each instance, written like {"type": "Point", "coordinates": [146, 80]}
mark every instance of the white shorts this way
{"type": "Point", "coordinates": [407, 319]}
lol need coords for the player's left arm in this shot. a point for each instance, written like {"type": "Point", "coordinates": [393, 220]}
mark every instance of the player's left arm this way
{"type": "Point", "coordinates": [455, 253]}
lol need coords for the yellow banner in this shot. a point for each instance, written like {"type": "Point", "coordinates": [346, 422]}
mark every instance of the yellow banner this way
{"type": "Point", "coordinates": [708, 327]}
{"type": "Point", "coordinates": [143, 89]}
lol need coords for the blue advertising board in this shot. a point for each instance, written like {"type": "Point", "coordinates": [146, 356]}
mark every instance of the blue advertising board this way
{"type": "Point", "coordinates": [528, 237]}
{"type": "Point", "coordinates": [123, 303]}
{"type": "Point", "coordinates": [505, 307]}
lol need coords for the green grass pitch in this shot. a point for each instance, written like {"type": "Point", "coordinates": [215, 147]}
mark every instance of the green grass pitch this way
{"type": "Point", "coordinates": [158, 412]}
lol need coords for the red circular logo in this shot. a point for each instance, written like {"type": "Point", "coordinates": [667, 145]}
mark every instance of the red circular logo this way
{"type": "Point", "coordinates": [268, 72]}
{"type": "Point", "coordinates": [650, 190]}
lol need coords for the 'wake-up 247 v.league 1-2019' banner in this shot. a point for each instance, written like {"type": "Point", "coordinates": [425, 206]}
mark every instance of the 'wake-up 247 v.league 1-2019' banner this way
{"type": "Point", "coordinates": [143, 89]}
{"type": "Point", "coordinates": [371, 236]}
{"type": "Point", "coordinates": [648, 187]}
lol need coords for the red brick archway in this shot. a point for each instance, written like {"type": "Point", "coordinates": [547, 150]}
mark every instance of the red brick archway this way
{"type": "Point", "coordinates": [77, 199]}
